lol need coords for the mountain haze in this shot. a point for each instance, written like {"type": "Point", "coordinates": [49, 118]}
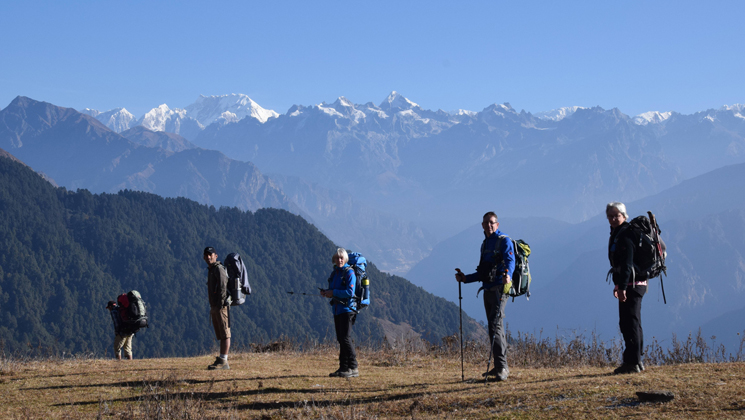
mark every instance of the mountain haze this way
{"type": "Point", "coordinates": [703, 225]}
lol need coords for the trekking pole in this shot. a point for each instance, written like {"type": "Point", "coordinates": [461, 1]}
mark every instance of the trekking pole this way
{"type": "Point", "coordinates": [305, 294]}
{"type": "Point", "coordinates": [460, 307]}
{"type": "Point", "coordinates": [656, 230]}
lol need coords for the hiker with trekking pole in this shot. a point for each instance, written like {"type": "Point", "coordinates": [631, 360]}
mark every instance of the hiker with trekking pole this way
{"type": "Point", "coordinates": [496, 264]}
{"type": "Point", "coordinates": [342, 288]}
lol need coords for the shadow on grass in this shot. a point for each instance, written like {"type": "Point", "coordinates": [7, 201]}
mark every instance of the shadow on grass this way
{"type": "Point", "coordinates": [226, 395]}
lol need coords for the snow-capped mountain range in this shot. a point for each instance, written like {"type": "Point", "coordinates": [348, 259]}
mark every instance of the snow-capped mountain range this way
{"type": "Point", "coordinates": [190, 121]}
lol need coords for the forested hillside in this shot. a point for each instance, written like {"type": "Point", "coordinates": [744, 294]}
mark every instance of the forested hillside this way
{"type": "Point", "coordinates": [65, 254]}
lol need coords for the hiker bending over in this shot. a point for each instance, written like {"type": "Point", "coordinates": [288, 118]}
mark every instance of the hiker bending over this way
{"type": "Point", "coordinates": [628, 291]}
{"type": "Point", "coordinates": [341, 290]}
{"type": "Point", "coordinates": [122, 339]}
{"type": "Point", "coordinates": [217, 291]}
{"type": "Point", "coordinates": [495, 272]}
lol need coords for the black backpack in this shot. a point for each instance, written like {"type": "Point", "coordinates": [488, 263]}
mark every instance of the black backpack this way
{"type": "Point", "coordinates": [133, 312]}
{"type": "Point", "coordinates": [238, 286]}
{"type": "Point", "coordinates": [649, 249]}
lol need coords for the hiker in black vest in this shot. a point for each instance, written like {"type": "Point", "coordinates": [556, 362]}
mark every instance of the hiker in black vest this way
{"type": "Point", "coordinates": [628, 291]}
{"type": "Point", "coordinates": [122, 340]}
{"type": "Point", "coordinates": [342, 284]}
{"type": "Point", "coordinates": [217, 290]}
{"type": "Point", "coordinates": [495, 269]}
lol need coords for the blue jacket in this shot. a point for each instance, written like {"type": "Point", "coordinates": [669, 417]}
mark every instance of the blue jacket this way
{"type": "Point", "coordinates": [343, 283]}
{"type": "Point", "coordinates": [494, 250]}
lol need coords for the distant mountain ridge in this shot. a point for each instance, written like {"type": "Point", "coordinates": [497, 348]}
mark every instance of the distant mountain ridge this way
{"type": "Point", "coordinates": [187, 122]}
{"type": "Point", "coordinates": [79, 152]}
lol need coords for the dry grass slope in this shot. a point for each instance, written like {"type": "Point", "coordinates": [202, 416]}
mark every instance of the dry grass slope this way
{"type": "Point", "coordinates": [409, 380]}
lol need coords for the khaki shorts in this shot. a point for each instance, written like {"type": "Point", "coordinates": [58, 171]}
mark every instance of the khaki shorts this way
{"type": "Point", "coordinates": [220, 322]}
{"type": "Point", "coordinates": [123, 343]}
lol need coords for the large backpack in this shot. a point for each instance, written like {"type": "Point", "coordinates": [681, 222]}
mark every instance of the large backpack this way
{"type": "Point", "coordinates": [133, 312]}
{"type": "Point", "coordinates": [238, 286]}
{"type": "Point", "coordinates": [362, 288]}
{"type": "Point", "coordinates": [649, 249]}
{"type": "Point", "coordinates": [521, 276]}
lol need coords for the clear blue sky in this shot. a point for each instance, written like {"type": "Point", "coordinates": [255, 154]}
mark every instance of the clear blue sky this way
{"type": "Point", "coordinates": [637, 56]}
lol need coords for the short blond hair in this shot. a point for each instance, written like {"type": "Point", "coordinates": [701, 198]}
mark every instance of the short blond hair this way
{"type": "Point", "coordinates": [340, 252]}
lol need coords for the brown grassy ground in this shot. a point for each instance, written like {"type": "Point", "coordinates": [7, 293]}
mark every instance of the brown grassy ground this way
{"type": "Point", "coordinates": [291, 384]}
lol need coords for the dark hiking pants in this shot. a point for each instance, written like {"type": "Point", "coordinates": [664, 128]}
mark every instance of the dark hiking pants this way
{"type": "Point", "coordinates": [343, 324]}
{"type": "Point", "coordinates": [630, 321]}
{"type": "Point", "coordinates": [494, 303]}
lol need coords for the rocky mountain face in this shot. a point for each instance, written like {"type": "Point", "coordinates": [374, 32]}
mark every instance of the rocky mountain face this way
{"type": "Point", "coordinates": [148, 138]}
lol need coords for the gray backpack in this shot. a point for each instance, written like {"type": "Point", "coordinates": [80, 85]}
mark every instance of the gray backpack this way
{"type": "Point", "coordinates": [238, 286]}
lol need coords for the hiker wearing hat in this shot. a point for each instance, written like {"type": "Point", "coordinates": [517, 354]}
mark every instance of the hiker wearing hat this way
{"type": "Point", "coordinates": [627, 290]}
{"type": "Point", "coordinates": [341, 290]}
{"type": "Point", "coordinates": [122, 340]}
{"type": "Point", "coordinates": [217, 291]}
{"type": "Point", "coordinates": [494, 271]}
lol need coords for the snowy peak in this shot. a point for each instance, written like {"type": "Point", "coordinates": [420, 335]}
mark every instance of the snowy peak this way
{"type": "Point", "coordinates": [157, 118]}
{"type": "Point", "coordinates": [500, 109]}
{"type": "Point", "coordinates": [91, 112]}
{"type": "Point", "coordinates": [557, 114]}
{"type": "Point", "coordinates": [208, 109]}
{"type": "Point", "coordinates": [462, 112]}
{"type": "Point", "coordinates": [738, 110]}
{"type": "Point", "coordinates": [397, 102]}
{"type": "Point", "coordinates": [651, 117]}
{"type": "Point", "coordinates": [117, 119]}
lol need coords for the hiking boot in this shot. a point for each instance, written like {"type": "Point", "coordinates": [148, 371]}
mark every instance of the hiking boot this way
{"type": "Point", "coordinates": [336, 373]}
{"type": "Point", "coordinates": [499, 374]}
{"type": "Point", "coordinates": [219, 363]}
{"type": "Point", "coordinates": [350, 373]}
{"type": "Point", "coordinates": [626, 368]}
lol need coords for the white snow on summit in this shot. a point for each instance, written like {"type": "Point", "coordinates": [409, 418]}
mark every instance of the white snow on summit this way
{"type": "Point", "coordinates": [117, 119]}
{"type": "Point", "coordinates": [396, 100]}
{"type": "Point", "coordinates": [557, 114]}
{"type": "Point", "coordinates": [463, 112]}
{"type": "Point", "coordinates": [737, 110]}
{"type": "Point", "coordinates": [208, 109]}
{"type": "Point", "coordinates": [157, 118]}
{"type": "Point", "coordinates": [651, 117]}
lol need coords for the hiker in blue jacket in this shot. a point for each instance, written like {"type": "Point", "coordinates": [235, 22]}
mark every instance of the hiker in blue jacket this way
{"type": "Point", "coordinates": [495, 272]}
{"type": "Point", "coordinates": [627, 290]}
{"type": "Point", "coordinates": [342, 283]}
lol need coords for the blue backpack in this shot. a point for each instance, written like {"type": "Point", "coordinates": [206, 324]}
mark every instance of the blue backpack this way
{"type": "Point", "coordinates": [362, 288]}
